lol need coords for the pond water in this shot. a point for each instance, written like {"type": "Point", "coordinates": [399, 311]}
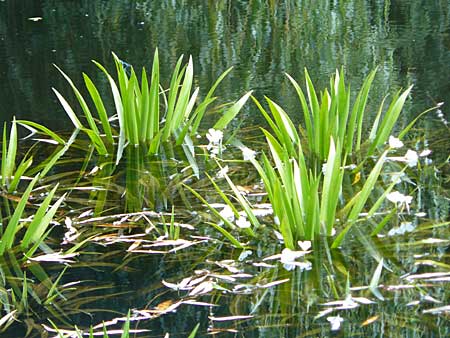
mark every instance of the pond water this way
{"type": "Point", "coordinates": [202, 278]}
{"type": "Point", "coordinates": [408, 40]}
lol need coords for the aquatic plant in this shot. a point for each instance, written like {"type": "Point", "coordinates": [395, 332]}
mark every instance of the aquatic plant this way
{"type": "Point", "coordinates": [145, 119]}
{"type": "Point", "coordinates": [36, 229]}
{"type": "Point", "coordinates": [331, 116]}
{"type": "Point", "coordinates": [304, 177]}
{"type": "Point", "coordinates": [306, 187]}
{"type": "Point", "coordinates": [10, 172]}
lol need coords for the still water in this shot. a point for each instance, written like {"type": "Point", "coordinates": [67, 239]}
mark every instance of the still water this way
{"type": "Point", "coordinates": [409, 42]}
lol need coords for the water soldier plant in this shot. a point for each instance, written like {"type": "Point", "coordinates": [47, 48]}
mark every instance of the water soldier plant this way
{"type": "Point", "coordinates": [308, 179]}
{"type": "Point", "coordinates": [148, 115]}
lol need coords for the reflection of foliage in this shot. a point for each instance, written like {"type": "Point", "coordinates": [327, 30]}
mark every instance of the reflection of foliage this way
{"type": "Point", "coordinates": [261, 41]}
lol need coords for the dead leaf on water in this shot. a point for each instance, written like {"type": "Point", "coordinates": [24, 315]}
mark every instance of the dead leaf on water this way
{"type": "Point", "coordinates": [161, 307]}
{"type": "Point", "coordinates": [223, 319]}
{"type": "Point", "coordinates": [55, 257]}
{"type": "Point", "coordinates": [203, 288]}
{"type": "Point", "coordinates": [268, 285]}
{"type": "Point", "coordinates": [370, 320]}
{"type": "Point", "coordinates": [437, 310]}
{"type": "Point", "coordinates": [357, 178]}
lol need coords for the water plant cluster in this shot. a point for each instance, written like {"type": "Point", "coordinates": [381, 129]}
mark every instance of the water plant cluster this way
{"type": "Point", "coordinates": [145, 160]}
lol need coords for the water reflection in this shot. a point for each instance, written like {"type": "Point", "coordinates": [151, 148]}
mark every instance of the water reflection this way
{"type": "Point", "coordinates": [254, 297]}
{"type": "Point", "coordinates": [262, 39]}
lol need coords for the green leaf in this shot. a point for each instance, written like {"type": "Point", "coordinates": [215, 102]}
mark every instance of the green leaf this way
{"type": "Point", "coordinates": [101, 111]}
{"type": "Point", "coordinates": [9, 155]}
{"type": "Point", "coordinates": [7, 240]}
{"type": "Point", "coordinates": [73, 117]}
{"type": "Point", "coordinates": [194, 331]}
{"type": "Point", "coordinates": [231, 113]}
{"type": "Point", "coordinates": [41, 128]}
{"type": "Point", "coordinates": [373, 286]}
{"type": "Point", "coordinates": [389, 120]}
{"type": "Point", "coordinates": [41, 219]}
{"type": "Point", "coordinates": [21, 168]}
{"type": "Point", "coordinates": [83, 104]}
{"type": "Point", "coordinates": [224, 232]}
{"type": "Point", "coordinates": [119, 110]}
{"type": "Point", "coordinates": [154, 99]}
{"type": "Point", "coordinates": [362, 199]}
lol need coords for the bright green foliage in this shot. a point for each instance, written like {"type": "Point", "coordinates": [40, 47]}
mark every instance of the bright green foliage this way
{"type": "Point", "coordinates": [330, 115]}
{"type": "Point", "coordinates": [306, 202]}
{"type": "Point", "coordinates": [10, 173]}
{"type": "Point", "coordinates": [35, 233]}
{"type": "Point", "coordinates": [146, 114]}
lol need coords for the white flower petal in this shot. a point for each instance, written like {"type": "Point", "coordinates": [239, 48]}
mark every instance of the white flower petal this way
{"type": "Point", "coordinates": [222, 172]}
{"type": "Point", "coordinates": [335, 322]}
{"type": "Point", "coordinates": [425, 152]}
{"type": "Point", "coordinates": [411, 158]}
{"type": "Point", "coordinates": [243, 223]}
{"type": "Point", "coordinates": [227, 213]}
{"type": "Point", "coordinates": [289, 256]}
{"type": "Point", "coordinates": [248, 154]}
{"type": "Point", "coordinates": [304, 245]}
{"type": "Point", "coordinates": [398, 197]}
{"type": "Point", "coordinates": [395, 142]}
{"type": "Point", "coordinates": [214, 136]}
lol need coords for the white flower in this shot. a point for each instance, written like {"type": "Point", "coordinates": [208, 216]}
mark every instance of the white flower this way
{"type": "Point", "coordinates": [402, 229]}
{"type": "Point", "coordinates": [227, 213]}
{"type": "Point", "coordinates": [215, 141]}
{"type": "Point", "coordinates": [288, 258]}
{"type": "Point", "coordinates": [243, 223]}
{"type": "Point", "coordinates": [248, 154]}
{"type": "Point", "coordinates": [411, 158]}
{"type": "Point", "coordinates": [304, 245]}
{"type": "Point", "coordinates": [398, 197]}
{"type": "Point", "coordinates": [214, 136]}
{"type": "Point", "coordinates": [335, 322]}
{"type": "Point", "coordinates": [397, 177]}
{"type": "Point", "coordinates": [222, 172]}
{"type": "Point", "coordinates": [395, 142]}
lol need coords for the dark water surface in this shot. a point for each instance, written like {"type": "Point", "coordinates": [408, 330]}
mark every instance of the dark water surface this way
{"type": "Point", "coordinates": [409, 42]}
